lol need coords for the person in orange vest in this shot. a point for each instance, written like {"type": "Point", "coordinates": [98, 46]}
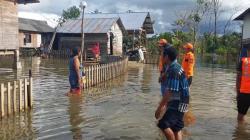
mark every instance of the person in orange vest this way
{"type": "Point", "coordinates": [188, 62]}
{"type": "Point", "coordinates": [163, 45]}
{"type": "Point", "coordinates": [243, 86]}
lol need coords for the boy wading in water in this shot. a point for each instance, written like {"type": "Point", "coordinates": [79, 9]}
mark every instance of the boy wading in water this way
{"type": "Point", "coordinates": [175, 98]}
{"type": "Point", "coordinates": [74, 73]}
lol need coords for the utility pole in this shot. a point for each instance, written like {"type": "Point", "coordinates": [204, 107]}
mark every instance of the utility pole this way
{"type": "Point", "coordinates": [83, 5]}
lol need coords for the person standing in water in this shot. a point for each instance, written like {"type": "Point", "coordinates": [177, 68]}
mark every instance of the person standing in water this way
{"type": "Point", "coordinates": [188, 62]}
{"type": "Point", "coordinates": [175, 98]}
{"type": "Point", "coordinates": [243, 84]}
{"type": "Point", "coordinates": [74, 73]}
{"type": "Point", "coordinates": [163, 45]}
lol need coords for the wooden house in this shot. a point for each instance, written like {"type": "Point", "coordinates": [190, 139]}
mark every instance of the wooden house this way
{"type": "Point", "coordinates": [137, 24]}
{"type": "Point", "coordinates": [245, 17]}
{"type": "Point", "coordinates": [34, 33]}
{"type": "Point", "coordinates": [133, 22]}
{"type": "Point", "coordinates": [108, 32]}
{"type": "Point", "coordinates": [9, 27]}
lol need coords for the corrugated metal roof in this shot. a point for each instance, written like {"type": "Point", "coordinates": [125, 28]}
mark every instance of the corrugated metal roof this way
{"type": "Point", "coordinates": [91, 25]}
{"type": "Point", "coordinates": [34, 25]}
{"type": "Point", "coordinates": [242, 16]}
{"type": "Point", "coordinates": [130, 20]}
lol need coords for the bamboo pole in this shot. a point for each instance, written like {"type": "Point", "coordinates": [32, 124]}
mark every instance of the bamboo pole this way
{"type": "Point", "coordinates": [25, 93]}
{"type": "Point", "coordinates": [2, 100]}
{"type": "Point", "coordinates": [30, 94]}
{"type": "Point", "coordinates": [87, 77]}
{"type": "Point", "coordinates": [97, 74]}
{"type": "Point", "coordinates": [84, 84]}
{"type": "Point", "coordinates": [8, 98]}
{"type": "Point", "coordinates": [14, 96]}
{"type": "Point", "coordinates": [20, 95]}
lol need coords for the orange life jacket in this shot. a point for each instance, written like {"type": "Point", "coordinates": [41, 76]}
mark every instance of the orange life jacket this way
{"type": "Point", "coordinates": [188, 64]}
{"type": "Point", "coordinates": [245, 76]}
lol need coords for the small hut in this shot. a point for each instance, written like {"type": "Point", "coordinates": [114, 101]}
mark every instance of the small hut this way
{"type": "Point", "coordinates": [33, 33]}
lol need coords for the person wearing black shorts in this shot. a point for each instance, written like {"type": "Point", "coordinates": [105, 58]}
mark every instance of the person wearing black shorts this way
{"type": "Point", "coordinates": [243, 85]}
{"type": "Point", "coordinates": [175, 98]}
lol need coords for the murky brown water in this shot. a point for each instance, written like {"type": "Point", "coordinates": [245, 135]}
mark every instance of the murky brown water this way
{"type": "Point", "coordinates": [123, 108]}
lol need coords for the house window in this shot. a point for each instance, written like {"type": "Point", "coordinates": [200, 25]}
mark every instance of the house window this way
{"type": "Point", "coordinates": [27, 38]}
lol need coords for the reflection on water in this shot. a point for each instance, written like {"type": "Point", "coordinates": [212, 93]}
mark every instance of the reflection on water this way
{"type": "Point", "coordinates": [123, 108]}
{"type": "Point", "coordinates": [18, 127]}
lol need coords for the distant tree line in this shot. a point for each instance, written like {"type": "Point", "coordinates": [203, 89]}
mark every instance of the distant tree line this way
{"type": "Point", "coordinates": [187, 29]}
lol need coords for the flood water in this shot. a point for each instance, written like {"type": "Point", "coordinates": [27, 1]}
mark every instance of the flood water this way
{"type": "Point", "coordinates": [122, 109]}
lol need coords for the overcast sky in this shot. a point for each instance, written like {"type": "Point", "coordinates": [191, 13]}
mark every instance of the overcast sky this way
{"type": "Point", "coordinates": [164, 12]}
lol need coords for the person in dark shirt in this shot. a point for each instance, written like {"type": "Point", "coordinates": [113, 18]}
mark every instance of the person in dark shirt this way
{"type": "Point", "coordinates": [175, 98]}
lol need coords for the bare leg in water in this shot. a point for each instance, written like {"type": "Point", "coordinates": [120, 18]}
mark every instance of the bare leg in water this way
{"type": "Point", "coordinates": [169, 134]}
{"type": "Point", "coordinates": [178, 135]}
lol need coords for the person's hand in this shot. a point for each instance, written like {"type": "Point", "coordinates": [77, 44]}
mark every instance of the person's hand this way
{"type": "Point", "coordinates": [80, 83]}
{"type": "Point", "coordinates": [159, 80]}
{"type": "Point", "coordinates": [158, 113]}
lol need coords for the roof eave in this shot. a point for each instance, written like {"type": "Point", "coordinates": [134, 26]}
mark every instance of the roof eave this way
{"type": "Point", "coordinates": [242, 16]}
{"type": "Point", "coordinates": [26, 1]}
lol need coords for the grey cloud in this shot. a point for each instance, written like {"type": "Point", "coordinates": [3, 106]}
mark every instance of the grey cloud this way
{"type": "Point", "coordinates": [164, 12]}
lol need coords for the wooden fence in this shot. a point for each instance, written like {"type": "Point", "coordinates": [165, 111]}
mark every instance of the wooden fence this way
{"type": "Point", "coordinates": [151, 59]}
{"type": "Point", "coordinates": [96, 74]}
{"type": "Point", "coordinates": [15, 96]}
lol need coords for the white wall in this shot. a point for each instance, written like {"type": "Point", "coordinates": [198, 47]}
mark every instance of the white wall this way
{"type": "Point", "coordinates": [246, 27]}
{"type": "Point", "coordinates": [118, 40]}
{"type": "Point", "coordinates": [39, 40]}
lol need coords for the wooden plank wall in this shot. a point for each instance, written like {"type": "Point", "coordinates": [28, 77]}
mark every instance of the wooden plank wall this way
{"type": "Point", "coordinates": [8, 26]}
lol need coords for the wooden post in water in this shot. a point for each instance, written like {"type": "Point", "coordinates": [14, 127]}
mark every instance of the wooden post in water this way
{"type": "Point", "coordinates": [84, 84]}
{"type": "Point", "coordinates": [88, 77]}
{"type": "Point", "coordinates": [92, 75]}
{"type": "Point", "coordinates": [25, 94]}
{"type": "Point", "coordinates": [20, 95]}
{"type": "Point", "coordinates": [97, 75]}
{"type": "Point", "coordinates": [30, 94]}
{"type": "Point", "coordinates": [8, 98]}
{"type": "Point", "coordinates": [14, 96]}
{"type": "Point", "coordinates": [2, 101]}
{"type": "Point", "coordinates": [106, 72]}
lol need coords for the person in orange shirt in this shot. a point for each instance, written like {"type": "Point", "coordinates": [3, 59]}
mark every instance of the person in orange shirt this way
{"type": "Point", "coordinates": [188, 62]}
{"type": "Point", "coordinates": [243, 85]}
{"type": "Point", "coordinates": [163, 45]}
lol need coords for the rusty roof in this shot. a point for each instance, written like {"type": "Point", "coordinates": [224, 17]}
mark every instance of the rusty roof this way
{"type": "Point", "coordinates": [91, 25]}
